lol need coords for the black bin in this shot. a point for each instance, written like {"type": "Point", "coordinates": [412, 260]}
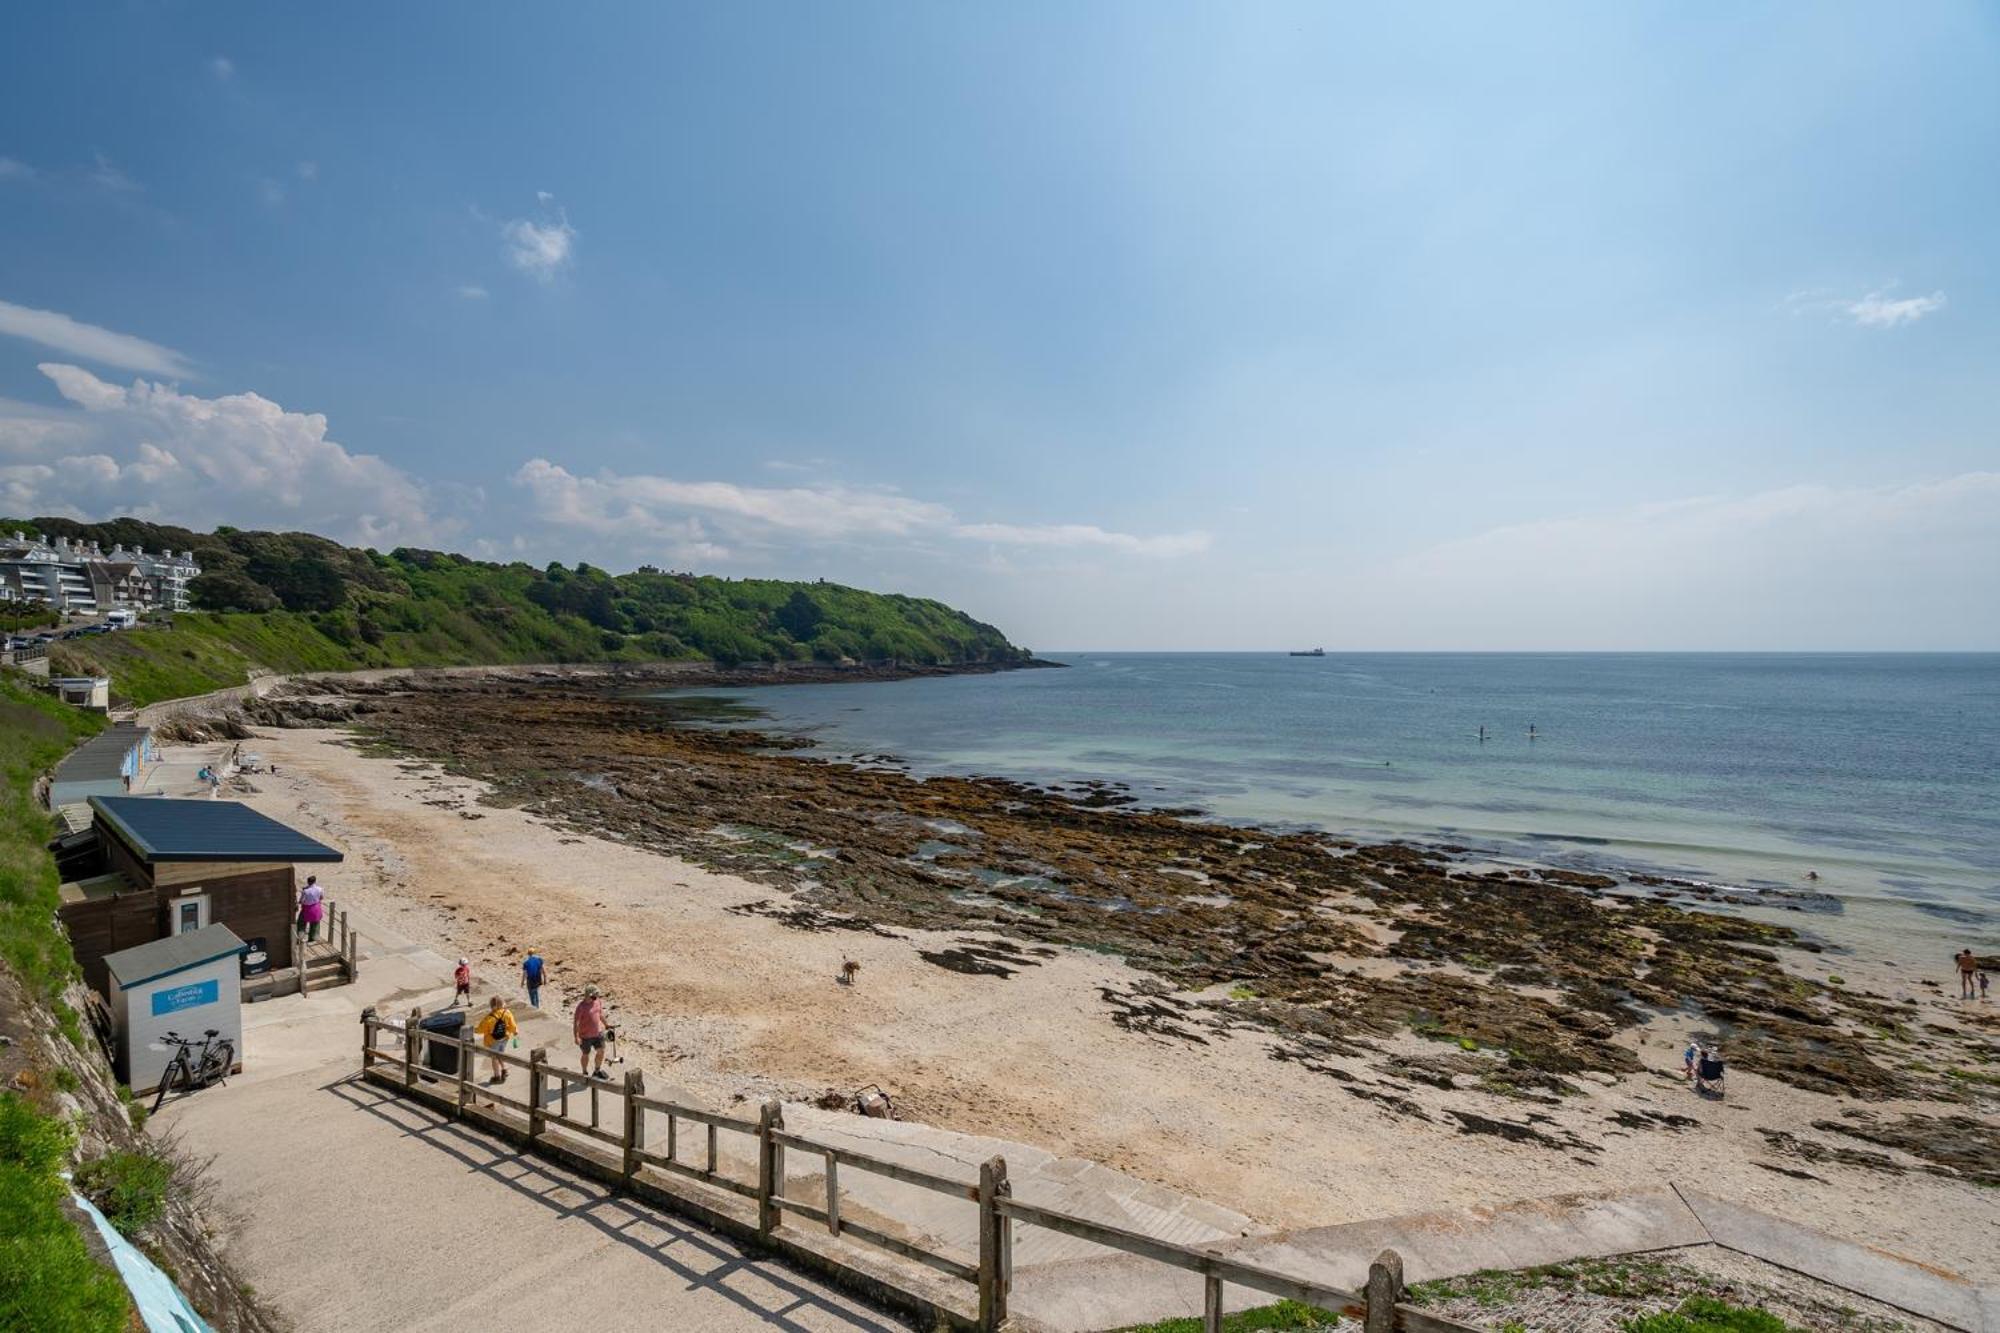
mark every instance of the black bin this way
{"type": "Point", "coordinates": [437, 1055]}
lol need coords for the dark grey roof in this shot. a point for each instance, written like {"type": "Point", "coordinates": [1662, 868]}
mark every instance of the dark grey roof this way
{"type": "Point", "coordinates": [204, 830]}
{"type": "Point", "coordinates": [102, 756]}
{"type": "Point", "coordinates": [176, 953]}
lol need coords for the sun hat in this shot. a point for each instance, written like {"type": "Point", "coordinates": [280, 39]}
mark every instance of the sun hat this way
{"type": "Point", "coordinates": [461, 962]}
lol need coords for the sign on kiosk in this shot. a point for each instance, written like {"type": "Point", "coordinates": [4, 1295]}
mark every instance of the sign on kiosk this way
{"type": "Point", "coordinates": [186, 997]}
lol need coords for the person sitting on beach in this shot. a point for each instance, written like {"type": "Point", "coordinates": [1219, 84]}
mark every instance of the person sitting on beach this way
{"type": "Point", "coordinates": [494, 1029]}
{"type": "Point", "coordinates": [1708, 1071]}
{"type": "Point", "coordinates": [1967, 967]}
{"type": "Point", "coordinates": [589, 1027]}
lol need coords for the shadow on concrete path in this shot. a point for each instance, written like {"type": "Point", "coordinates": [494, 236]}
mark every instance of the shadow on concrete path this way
{"type": "Point", "coordinates": [620, 1219]}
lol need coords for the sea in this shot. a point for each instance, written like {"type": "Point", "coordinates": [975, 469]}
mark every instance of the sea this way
{"type": "Point", "coordinates": [1862, 790]}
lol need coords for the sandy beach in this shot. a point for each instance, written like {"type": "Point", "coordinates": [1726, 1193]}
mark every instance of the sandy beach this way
{"type": "Point", "coordinates": [1080, 1053]}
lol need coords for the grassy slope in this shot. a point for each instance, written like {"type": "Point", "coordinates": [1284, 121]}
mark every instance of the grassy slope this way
{"type": "Point", "coordinates": [47, 1277]}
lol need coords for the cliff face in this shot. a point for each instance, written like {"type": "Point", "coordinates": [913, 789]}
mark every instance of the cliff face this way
{"type": "Point", "coordinates": [73, 1085]}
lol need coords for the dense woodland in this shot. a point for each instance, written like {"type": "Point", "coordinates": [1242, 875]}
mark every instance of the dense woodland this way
{"type": "Point", "coordinates": [294, 601]}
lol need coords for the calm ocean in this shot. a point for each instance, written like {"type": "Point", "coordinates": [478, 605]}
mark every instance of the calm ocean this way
{"type": "Point", "coordinates": [1880, 772]}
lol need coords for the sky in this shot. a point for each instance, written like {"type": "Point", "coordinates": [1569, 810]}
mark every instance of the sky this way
{"type": "Point", "coordinates": [1141, 326]}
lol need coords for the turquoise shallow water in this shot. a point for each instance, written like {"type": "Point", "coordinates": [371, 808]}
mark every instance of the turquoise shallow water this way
{"type": "Point", "coordinates": [1880, 772]}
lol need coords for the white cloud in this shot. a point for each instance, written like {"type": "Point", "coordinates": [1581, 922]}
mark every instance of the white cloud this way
{"type": "Point", "coordinates": [271, 193]}
{"type": "Point", "coordinates": [307, 171]}
{"type": "Point", "coordinates": [472, 291]}
{"type": "Point", "coordinates": [665, 508]}
{"type": "Point", "coordinates": [1878, 310]}
{"type": "Point", "coordinates": [1084, 535]}
{"type": "Point", "coordinates": [155, 452]}
{"type": "Point", "coordinates": [107, 176]}
{"type": "Point", "coordinates": [540, 249]}
{"type": "Point", "coordinates": [222, 67]}
{"type": "Point", "coordinates": [13, 168]}
{"type": "Point", "coordinates": [60, 333]}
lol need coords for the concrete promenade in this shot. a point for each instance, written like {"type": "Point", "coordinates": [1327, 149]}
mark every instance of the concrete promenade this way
{"type": "Point", "coordinates": [351, 1209]}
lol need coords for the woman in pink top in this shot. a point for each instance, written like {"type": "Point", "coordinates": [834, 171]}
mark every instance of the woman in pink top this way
{"type": "Point", "coordinates": [589, 1028]}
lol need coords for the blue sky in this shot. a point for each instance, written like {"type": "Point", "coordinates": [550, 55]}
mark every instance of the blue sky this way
{"type": "Point", "coordinates": [1118, 325]}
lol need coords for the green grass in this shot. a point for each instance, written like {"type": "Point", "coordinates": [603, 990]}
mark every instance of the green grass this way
{"type": "Point", "coordinates": [129, 1188]}
{"type": "Point", "coordinates": [1703, 1314]}
{"type": "Point", "coordinates": [48, 1279]}
{"type": "Point", "coordinates": [35, 731]}
{"type": "Point", "coordinates": [1283, 1315]}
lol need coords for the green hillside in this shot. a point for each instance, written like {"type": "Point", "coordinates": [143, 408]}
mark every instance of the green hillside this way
{"type": "Point", "coordinates": [296, 602]}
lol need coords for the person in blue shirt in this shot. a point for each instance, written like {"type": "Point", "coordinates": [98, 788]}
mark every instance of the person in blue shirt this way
{"type": "Point", "coordinates": [532, 971]}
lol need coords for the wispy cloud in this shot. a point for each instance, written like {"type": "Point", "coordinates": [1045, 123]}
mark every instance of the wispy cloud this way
{"type": "Point", "coordinates": [14, 169]}
{"type": "Point", "coordinates": [59, 332]}
{"type": "Point", "coordinates": [1084, 535]}
{"type": "Point", "coordinates": [540, 248]}
{"type": "Point", "coordinates": [472, 291]}
{"type": "Point", "coordinates": [1879, 309]}
{"type": "Point", "coordinates": [271, 192]}
{"type": "Point", "coordinates": [222, 67]}
{"type": "Point", "coordinates": [107, 175]}
{"type": "Point", "coordinates": [673, 510]}
{"type": "Point", "coordinates": [307, 171]}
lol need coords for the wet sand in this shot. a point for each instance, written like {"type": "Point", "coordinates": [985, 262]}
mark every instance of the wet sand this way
{"type": "Point", "coordinates": [1084, 1053]}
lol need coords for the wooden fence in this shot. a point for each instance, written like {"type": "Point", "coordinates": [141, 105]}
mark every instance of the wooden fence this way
{"type": "Point", "coordinates": [576, 1106]}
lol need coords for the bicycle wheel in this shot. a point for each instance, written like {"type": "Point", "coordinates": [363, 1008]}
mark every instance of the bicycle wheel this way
{"type": "Point", "coordinates": [175, 1073]}
{"type": "Point", "coordinates": [216, 1063]}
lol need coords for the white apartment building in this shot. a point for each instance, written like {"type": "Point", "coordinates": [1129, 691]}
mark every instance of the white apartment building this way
{"type": "Point", "coordinates": [84, 578]}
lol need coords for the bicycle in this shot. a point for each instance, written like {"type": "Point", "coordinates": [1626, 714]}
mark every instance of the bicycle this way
{"type": "Point", "coordinates": [209, 1065]}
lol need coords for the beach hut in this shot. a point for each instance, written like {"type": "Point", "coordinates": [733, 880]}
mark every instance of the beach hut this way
{"type": "Point", "coordinates": [108, 764]}
{"type": "Point", "coordinates": [185, 984]}
{"type": "Point", "coordinates": [173, 867]}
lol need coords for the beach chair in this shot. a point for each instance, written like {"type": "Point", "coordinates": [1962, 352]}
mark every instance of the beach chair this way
{"type": "Point", "coordinates": [1708, 1074]}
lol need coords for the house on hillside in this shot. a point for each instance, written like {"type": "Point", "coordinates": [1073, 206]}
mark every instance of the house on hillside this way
{"type": "Point", "coordinates": [167, 867]}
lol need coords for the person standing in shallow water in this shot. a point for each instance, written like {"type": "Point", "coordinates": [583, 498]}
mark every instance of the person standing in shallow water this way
{"type": "Point", "coordinates": [1968, 967]}
{"type": "Point", "coordinates": [532, 971]}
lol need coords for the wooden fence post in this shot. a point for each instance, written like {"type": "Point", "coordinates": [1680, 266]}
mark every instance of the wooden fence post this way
{"type": "Point", "coordinates": [635, 1120]}
{"type": "Point", "coordinates": [413, 1031]}
{"type": "Point", "coordinates": [351, 947]}
{"type": "Point", "coordinates": [367, 1035]}
{"type": "Point", "coordinates": [536, 1059]}
{"type": "Point", "coordinates": [299, 957]}
{"type": "Point", "coordinates": [464, 1089]}
{"type": "Point", "coordinates": [1211, 1303]}
{"type": "Point", "coordinates": [1385, 1289]}
{"type": "Point", "coordinates": [994, 1257]}
{"type": "Point", "coordinates": [770, 1165]}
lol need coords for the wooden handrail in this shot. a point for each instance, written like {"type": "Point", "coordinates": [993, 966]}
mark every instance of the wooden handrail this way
{"type": "Point", "coordinates": [999, 1211]}
{"type": "Point", "coordinates": [877, 1166]}
{"type": "Point", "coordinates": [1186, 1257]}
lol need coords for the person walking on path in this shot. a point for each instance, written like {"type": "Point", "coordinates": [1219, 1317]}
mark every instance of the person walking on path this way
{"type": "Point", "coordinates": [589, 1027]}
{"type": "Point", "coordinates": [494, 1029]}
{"type": "Point", "coordinates": [461, 980]}
{"type": "Point", "coordinates": [1968, 967]}
{"type": "Point", "coordinates": [312, 906]}
{"type": "Point", "coordinates": [532, 971]}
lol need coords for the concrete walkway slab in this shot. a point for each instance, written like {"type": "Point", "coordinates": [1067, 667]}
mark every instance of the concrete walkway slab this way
{"type": "Point", "coordinates": [1908, 1284]}
{"type": "Point", "coordinates": [1123, 1290]}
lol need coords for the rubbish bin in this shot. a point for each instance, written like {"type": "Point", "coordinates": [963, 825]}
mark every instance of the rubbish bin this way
{"type": "Point", "coordinates": [437, 1055]}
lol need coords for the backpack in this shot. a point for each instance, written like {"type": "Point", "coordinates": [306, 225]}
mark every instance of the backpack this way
{"type": "Point", "coordinates": [499, 1027]}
